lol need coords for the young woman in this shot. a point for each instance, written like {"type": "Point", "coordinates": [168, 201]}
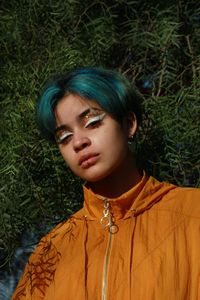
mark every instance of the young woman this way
{"type": "Point", "coordinates": [135, 237]}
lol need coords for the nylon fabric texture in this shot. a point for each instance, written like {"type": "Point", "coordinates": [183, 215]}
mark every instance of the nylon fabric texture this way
{"type": "Point", "coordinates": [154, 254]}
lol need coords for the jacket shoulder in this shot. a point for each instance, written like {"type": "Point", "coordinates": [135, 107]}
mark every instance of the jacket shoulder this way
{"type": "Point", "coordinates": [185, 200]}
{"type": "Point", "coordinates": [41, 266]}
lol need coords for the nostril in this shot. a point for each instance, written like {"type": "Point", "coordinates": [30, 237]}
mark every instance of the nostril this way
{"type": "Point", "coordinates": [84, 145]}
{"type": "Point", "coordinates": [81, 146]}
{"type": "Point", "coordinates": [81, 143]}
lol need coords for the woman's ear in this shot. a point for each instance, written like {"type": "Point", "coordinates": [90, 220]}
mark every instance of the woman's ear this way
{"type": "Point", "coordinates": [132, 124]}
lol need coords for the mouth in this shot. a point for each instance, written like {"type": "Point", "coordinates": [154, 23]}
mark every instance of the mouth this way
{"type": "Point", "coordinates": [88, 160]}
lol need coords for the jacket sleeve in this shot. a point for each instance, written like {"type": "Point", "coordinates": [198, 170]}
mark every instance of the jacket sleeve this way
{"type": "Point", "coordinates": [39, 271]}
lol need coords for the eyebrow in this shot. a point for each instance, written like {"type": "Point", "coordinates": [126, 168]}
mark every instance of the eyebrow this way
{"type": "Point", "coordinates": [84, 113]}
{"type": "Point", "coordinates": [79, 117]}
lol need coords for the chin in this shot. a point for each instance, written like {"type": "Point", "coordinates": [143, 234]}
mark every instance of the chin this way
{"type": "Point", "coordinates": [96, 176]}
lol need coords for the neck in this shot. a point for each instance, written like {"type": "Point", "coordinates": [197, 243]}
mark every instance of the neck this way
{"type": "Point", "coordinates": [119, 181]}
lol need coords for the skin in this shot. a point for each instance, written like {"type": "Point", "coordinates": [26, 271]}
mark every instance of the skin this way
{"type": "Point", "coordinates": [95, 149]}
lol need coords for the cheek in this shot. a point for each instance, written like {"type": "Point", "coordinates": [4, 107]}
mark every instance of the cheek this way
{"type": "Point", "coordinates": [68, 158]}
{"type": "Point", "coordinates": [112, 143]}
{"type": "Point", "coordinates": [109, 136]}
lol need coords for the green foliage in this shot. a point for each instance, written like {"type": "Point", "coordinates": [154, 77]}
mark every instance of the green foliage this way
{"type": "Point", "coordinates": [155, 43]}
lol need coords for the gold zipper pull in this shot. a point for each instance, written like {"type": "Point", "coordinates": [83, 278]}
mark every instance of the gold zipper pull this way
{"type": "Point", "coordinates": [108, 220]}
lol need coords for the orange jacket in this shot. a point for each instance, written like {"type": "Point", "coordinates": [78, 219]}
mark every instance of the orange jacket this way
{"type": "Point", "coordinates": [152, 254]}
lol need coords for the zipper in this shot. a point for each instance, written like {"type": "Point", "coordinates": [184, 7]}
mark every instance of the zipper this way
{"type": "Point", "coordinates": [105, 268]}
{"type": "Point", "coordinates": [107, 221]}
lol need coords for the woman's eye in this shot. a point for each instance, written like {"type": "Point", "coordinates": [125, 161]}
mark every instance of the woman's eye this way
{"type": "Point", "coordinates": [94, 120]}
{"type": "Point", "coordinates": [63, 137]}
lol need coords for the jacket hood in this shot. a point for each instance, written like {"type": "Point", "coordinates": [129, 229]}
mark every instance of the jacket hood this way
{"type": "Point", "coordinates": [132, 203]}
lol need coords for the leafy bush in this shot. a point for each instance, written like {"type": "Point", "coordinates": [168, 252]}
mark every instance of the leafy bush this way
{"type": "Point", "coordinates": [155, 43]}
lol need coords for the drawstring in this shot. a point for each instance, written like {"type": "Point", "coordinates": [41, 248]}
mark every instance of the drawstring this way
{"type": "Point", "coordinates": [85, 258]}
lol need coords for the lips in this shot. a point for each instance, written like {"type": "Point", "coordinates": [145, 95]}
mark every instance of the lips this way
{"type": "Point", "coordinates": [88, 160]}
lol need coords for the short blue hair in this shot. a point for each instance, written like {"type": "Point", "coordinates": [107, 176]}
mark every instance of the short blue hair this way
{"type": "Point", "coordinates": [110, 89]}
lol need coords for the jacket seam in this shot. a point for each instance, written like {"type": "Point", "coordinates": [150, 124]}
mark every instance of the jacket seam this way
{"type": "Point", "coordinates": [158, 246]}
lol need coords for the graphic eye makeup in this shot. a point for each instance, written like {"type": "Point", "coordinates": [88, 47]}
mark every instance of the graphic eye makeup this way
{"type": "Point", "coordinates": [90, 119]}
{"type": "Point", "coordinates": [94, 120]}
{"type": "Point", "coordinates": [63, 137]}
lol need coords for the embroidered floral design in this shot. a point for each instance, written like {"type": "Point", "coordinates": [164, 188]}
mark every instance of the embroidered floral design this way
{"type": "Point", "coordinates": [41, 267]}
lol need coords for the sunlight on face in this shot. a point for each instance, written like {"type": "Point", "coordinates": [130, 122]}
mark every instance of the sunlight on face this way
{"type": "Point", "coordinates": [92, 142]}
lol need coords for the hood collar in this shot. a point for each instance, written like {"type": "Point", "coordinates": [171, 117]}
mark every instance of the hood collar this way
{"type": "Point", "coordinates": [135, 201]}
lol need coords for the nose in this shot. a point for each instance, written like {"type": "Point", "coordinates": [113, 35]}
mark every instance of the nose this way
{"type": "Point", "coordinates": [80, 142]}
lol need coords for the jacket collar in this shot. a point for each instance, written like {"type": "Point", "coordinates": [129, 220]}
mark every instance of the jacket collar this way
{"type": "Point", "coordinates": [132, 203]}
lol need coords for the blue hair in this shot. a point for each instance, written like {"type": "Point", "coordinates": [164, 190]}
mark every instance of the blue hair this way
{"type": "Point", "coordinates": [111, 90]}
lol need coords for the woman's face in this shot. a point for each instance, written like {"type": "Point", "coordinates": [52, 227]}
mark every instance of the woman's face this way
{"type": "Point", "coordinates": [92, 143]}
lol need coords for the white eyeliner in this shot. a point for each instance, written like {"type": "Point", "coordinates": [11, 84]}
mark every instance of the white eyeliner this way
{"type": "Point", "coordinates": [61, 138]}
{"type": "Point", "coordinates": [94, 119]}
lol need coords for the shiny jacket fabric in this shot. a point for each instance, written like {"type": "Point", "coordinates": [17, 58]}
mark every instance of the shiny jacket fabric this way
{"type": "Point", "coordinates": [152, 254]}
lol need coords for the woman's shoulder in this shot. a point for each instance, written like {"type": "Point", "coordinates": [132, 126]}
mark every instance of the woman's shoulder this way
{"type": "Point", "coordinates": [190, 194]}
{"type": "Point", "coordinates": [64, 229]}
{"type": "Point", "coordinates": [41, 266]}
{"type": "Point", "coordinates": [185, 200]}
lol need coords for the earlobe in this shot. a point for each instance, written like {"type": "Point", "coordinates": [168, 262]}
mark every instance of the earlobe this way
{"type": "Point", "coordinates": [132, 124]}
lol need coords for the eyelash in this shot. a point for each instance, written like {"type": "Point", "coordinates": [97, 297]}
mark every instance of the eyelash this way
{"type": "Point", "coordinates": [95, 120]}
{"type": "Point", "coordinates": [91, 123]}
{"type": "Point", "coordinates": [63, 138]}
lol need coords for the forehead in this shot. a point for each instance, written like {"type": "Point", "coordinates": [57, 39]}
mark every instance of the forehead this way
{"type": "Point", "coordinates": [71, 106]}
